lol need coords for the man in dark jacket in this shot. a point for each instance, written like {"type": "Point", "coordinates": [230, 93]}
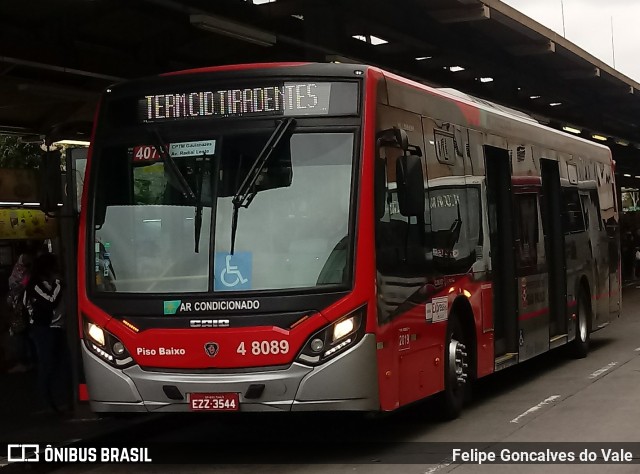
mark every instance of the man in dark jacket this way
{"type": "Point", "coordinates": [43, 299]}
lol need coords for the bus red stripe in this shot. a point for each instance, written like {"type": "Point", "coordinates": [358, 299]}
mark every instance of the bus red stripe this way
{"type": "Point", "coordinates": [533, 314]}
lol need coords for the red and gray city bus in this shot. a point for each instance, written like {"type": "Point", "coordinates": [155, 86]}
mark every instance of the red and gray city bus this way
{"type": "Point", "coordinates": [308, 237]}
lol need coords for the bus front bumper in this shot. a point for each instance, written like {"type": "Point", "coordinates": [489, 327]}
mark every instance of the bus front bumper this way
{"type": "Point", "coordinates": [347, 382]}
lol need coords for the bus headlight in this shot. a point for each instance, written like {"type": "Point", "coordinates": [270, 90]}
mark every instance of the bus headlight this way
{"type": "Point", "coordinates": [344, 328]}
{"type": "Point", "coordinates": [96, 333]}
{"type": "Point", "coordinates": [334, 339]}
{"type": "Point", "coordinates": [106, 346]}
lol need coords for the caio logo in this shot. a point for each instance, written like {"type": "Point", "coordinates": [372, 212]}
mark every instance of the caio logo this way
{"type": "Point", "coordinates": [23, 452]}
{"type": "Point", "coordinates": [211, 349]}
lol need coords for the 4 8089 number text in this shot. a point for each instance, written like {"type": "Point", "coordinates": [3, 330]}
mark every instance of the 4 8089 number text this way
{"type": "Point", "coordinates": [264, 348]}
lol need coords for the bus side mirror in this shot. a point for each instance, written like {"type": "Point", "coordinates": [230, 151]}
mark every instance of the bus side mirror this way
{"type": "Point", "coordinates": [50, 182]}
{"type": "Point", "coordinates": [410, 181]}
{"type": "Point", "coordinates": [401, 138]}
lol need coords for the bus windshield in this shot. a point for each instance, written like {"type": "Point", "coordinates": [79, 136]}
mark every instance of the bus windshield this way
{"type": "Point", "coordinates": [294, 234]}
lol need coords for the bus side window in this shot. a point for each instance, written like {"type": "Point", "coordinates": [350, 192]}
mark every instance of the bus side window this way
{"type": "Point", "coordinates": [584, 199]}
{"type": "Point", "coordinates": [527, 229]}
{"type": "Point", "coordinates": [573, 220]}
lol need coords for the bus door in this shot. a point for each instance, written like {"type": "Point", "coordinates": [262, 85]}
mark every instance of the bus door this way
{"type": "Point", "coordinates": [552, 206]}
{"type": "Point", "coordinates": [533, 315]}
{"type": "Point", "coordinates": [503, 269]}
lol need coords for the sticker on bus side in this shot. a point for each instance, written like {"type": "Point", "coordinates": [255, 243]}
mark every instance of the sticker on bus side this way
{"type": "Point", "coordinates": [149, 153]}
{"type": "Point", "coordinates": [438, 309]}
{"type": "Point", "coordinates": [204, 147]}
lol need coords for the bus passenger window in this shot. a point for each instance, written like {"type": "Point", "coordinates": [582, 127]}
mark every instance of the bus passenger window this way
{"type": "Point", "coordinates": [585, 209]}
{"type": "Point", "coordinates": [527, 229]}
{"type": "Point", "coordinates": [573, 219]}
{"type": "Point", "coordinates": [455, 225]}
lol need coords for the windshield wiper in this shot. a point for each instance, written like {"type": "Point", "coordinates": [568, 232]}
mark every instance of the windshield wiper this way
{"type": "Point", "coordinates": [173, 170]}
{"type": "Point", "coordinates": [183, 186]}
{"type": "Point", "coordinates": [198, 217]}
{"type": "Point", "coordinates": [246, 192]}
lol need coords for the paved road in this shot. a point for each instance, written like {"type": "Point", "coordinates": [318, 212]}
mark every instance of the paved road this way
{"type": "Point", "coordinates": [550, 399]}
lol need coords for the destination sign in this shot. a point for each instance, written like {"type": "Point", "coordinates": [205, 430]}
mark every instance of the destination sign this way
{"type": "Point", "coordinates": [288, 99]}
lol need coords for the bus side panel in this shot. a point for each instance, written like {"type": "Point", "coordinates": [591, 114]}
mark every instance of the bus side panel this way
{"type": "Point", "coordinates": [411, 345]}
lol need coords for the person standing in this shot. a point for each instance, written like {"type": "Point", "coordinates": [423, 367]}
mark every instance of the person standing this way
{"type": "Point", "coordinates": [43, 300]}
{"type": "Point", "coordinates": [18, 324]}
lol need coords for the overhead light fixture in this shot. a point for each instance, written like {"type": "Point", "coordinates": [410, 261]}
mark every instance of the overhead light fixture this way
{"type": "Point", "coordinates": [225, 27]}
{"type": "Point", "coordinates": [422, 58]}
{"type": "Point", "coordinates": [555, 104]}
{"type": "Point", "coordinates": [298, 17]}
{"type": "Point", "coordinates": [599, 137]}
{"type": "Point", "coordinates": [627, 175]}
{"type": "Point", "coordinates": [572, 130]}
{"type": "Point", "coordinates": [534, 97]}
{"type": "Point", "coordinates": [261, 2]}
{"type": "Point", "coordinates": [370, 39]}
{"type": "Point", "coordinates": [377, 41]}
{"type": "Point", "coordinates": [486, 79]}
{"type": "Point", "coordinates": [455, 68]}
{"type": "Point", "coordinates": [622, 142]}
{"type": "Point", "coordinates": [72, 142]}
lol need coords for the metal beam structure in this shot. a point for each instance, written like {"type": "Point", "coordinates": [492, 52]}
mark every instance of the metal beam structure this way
{"type": "Point", "coordinates": [56, 57]}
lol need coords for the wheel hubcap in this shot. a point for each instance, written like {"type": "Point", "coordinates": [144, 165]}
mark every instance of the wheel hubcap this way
{"type": "Point", "coordinates": [582, 322]}
{"type": "Point", "coordinates": [458, 363]}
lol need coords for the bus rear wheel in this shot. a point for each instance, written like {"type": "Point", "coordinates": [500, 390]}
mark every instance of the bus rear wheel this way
{"type": "Point", "coordinates": [580, 345]}
{"type": "Point", "coordinates": [456, 371]}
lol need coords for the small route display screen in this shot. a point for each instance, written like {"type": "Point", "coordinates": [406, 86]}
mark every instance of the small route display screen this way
{"type": "Point", "coordinates": [286, 99]}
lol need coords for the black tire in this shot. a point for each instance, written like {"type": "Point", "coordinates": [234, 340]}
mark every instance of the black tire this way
{"type": "Point", "coordinates": [456, 371]}
{"type": "Point", "coordinates": [580, 345]}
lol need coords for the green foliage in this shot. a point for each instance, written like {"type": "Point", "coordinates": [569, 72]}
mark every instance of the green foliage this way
{"type": "Point", "coordinates": [14, 154]}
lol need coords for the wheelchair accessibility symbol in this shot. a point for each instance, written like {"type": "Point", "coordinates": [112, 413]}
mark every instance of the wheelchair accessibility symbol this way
{"type": "Point", "coordinates": [232, 272]}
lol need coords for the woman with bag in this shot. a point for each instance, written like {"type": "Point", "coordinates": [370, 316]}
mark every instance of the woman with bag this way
{"type": "Point", "coordinates": [18, 317]}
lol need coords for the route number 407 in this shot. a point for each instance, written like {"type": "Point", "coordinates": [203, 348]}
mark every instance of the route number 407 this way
{"type": "Point", "coordinates": [264, 348]}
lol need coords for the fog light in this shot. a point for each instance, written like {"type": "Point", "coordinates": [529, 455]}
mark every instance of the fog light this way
{"type": "Point", "coordinates": [317, 345]}
{"type": "Point", "coordinates": [118, 348]}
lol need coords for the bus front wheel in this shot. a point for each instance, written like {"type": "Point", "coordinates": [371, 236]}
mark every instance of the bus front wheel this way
{"type": "Point", "coordinates": [456, 371]}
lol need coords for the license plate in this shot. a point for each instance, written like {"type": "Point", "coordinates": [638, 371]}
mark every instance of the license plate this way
{"type": "Point", "coordinates": [214, 402]}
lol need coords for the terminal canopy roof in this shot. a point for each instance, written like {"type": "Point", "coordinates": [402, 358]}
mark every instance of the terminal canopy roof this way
{"type": "Point", "coordinates": [56, 57]}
